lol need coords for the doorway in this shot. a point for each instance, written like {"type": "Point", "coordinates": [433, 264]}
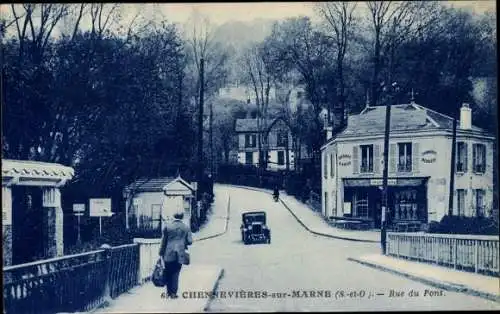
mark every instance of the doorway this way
{"type": "Point", "coordinates": [29, 225]}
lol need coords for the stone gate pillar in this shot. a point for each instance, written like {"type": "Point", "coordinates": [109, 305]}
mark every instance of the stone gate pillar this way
{"type": "Point", "coordinates": [7, 225]}
{"type": "Point", "coordinates": [54, 219]}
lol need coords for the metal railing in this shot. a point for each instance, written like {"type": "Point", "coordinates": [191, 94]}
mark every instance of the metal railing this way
{"type": "Point", "coordinates": [479, 254]}
{"type": "Point", "coordinates": [79, 282]}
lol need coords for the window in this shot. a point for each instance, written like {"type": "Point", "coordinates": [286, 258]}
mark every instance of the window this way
{"type": "Point", "coordinates": [406, 205]}
{"type": "Point", "coordinates": [332, 165]}
{"type": "Point", "coordinates": [360, 203]}
{"type": "Point", "coordinates": [281, 157]}
{"type": "Point", "coordinates": [461, 202]}
{"type": "Point", "coordinates": [480, 202]}
{"type": "Point", "coordinates": [404, 157]}
{"type": "Point", "coordinates": [461, 157]}
{"type": "Point", "coordinates": [366, 158]}
{"type": "Point", "coordinates": [156, 215]}
{"type": "Point", "coordinates": [250, 140]}
{"type": "Point", "coordinates": [479, 158]}
{"type": "Point", "coordinates": [282, 140]}
{"type": "Point", "coordinates": [249, 158]}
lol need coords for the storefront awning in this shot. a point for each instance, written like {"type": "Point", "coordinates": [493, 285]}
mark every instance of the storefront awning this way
{"type": "Point", "coordinates": [367, 182]}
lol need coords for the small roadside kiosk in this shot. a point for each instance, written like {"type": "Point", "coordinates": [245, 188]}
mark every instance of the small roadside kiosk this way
{"type": "Point", "coordinates": [178, 198]}
{"type": "Point", "coordinates": [150, 203]}
{"type": "Point", "coordinates": [32, 215]}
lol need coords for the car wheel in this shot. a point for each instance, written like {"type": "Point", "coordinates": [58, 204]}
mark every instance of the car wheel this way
{"type": "Point", "coordinates": [269, 240]}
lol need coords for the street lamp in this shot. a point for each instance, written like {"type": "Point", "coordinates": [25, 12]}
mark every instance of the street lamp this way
{"type": "Point", "coordinates": [392, 90]}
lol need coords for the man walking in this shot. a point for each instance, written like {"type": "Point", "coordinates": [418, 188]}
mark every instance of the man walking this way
{"type": "Point", "coordinates": [175, 240]}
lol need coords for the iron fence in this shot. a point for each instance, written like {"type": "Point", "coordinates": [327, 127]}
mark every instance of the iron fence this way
{"type": "Point", "coordinates": [79, 282]}
{"type": "Point", "coordinates": [478, 254]}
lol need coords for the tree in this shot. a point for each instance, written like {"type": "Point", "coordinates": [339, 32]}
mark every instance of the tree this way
{"type": "Point", "coordinates": [341, 22]}
{"type": "Point", "coordinates": [295, 45]}
{"type": "Point", "coordinates": [257, 74]}
{"type": "Point", "coordinates": [391, 24]}
{"type": "Point", "coordinates": [201, 44]}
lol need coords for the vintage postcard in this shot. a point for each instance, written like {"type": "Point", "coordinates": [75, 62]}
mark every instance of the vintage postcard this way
{"type": "Point", "coordinates": [249, 157]}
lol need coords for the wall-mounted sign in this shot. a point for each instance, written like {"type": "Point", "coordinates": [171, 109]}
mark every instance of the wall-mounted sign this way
{"type": "Point", "coordinates": [344, 160]}
{"type": "Point", "coordinates": [78, 208]}
{"type": "Point", "coordinates": [100, 207]}
{"type": "Point", "coordinates": [429, 156]}
{"type": "Point", "coordinates": [380, 182]}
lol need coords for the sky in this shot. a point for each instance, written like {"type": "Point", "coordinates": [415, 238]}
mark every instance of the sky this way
{"type": "Point", "coordinates": [219, 13]}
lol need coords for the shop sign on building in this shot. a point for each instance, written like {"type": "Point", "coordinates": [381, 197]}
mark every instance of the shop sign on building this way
{"type": "Point", "coordinates": [344, 160]}
{"type": "Point", "coordinates": [429, 156]}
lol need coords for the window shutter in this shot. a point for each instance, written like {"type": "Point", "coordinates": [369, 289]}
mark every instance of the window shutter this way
{"type": "Point", "coordinates": [355, 162]}
{"type": "Point", "coordinates": [415, 159]}
{"type": "Point", "coordinates": [325, 166]}
{"type": "Point", "coordinates": [466, 155]}
{"type": "Point", "coordinates": [332, 173]}
{"type": "Point", "coordinates": [376, 158]}
{"type": "Point", "coordinates": [392, 158]}
{"type": "Point", "coordinates": [465, 203]}
{"type": "Point", "coordinates": [474, 157]}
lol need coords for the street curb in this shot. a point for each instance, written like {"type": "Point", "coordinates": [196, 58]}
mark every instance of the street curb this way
{"type": "Point", "coordinates": [304, 225]}
{"type": "Point", "coordinates": [225, 226]}
{"type": "Point", "coordinates": [214, 289]}
{"type": "Point", "coordinates": [430, 281]}
{"type": "Point", "coordinates": [321, 233]}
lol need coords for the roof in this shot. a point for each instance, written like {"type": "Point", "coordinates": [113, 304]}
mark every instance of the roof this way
{"type": "Point", "coordinates": [149, 185]}
{"type": "Point", "coordinates": [250, 125]}
{"type": "Point", "coordinates": [404, 117]}
{"type": "Point", "coordinates": [155, 184]}
{"type": "Point", "coordinates": [36, 170]}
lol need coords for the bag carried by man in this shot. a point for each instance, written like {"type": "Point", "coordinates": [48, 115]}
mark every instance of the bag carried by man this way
{"type": "Point", "coordinates": [158, 277]}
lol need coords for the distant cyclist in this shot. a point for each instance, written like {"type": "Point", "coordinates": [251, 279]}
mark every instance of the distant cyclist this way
{"type": "Point", "coordinates": [276, 193]}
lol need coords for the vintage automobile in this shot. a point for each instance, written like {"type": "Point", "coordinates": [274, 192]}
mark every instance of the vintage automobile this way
{"type": "Point", "coordinates": [254, 228]}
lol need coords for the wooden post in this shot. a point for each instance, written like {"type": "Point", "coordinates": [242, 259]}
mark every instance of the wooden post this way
{"type": "Point", "coordinates": [455, 253]}
{"type": "Point", "coordinates": [476, 256]}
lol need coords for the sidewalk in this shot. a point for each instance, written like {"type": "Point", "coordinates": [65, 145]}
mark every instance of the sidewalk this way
{"type": "Point", "coordinates": [218, 219]}
{"type": "Point", "coordinates": [315, 223]}
{"type": "Point", "coordinates": [148, 298]}
{"type": "Point", "coordinates": [444, 278]}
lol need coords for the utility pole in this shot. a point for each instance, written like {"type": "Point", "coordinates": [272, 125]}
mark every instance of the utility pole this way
{"type": "Point", "coordinates": [200, 128]}
{"type": "Point", "coordinates": [211, 140]}
{"type": "Point", "coordinates": [452, 170]}
{"type": "Point", "coordinates": [383, 224]}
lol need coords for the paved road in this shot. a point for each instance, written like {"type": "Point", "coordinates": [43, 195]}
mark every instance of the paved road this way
{"type": "Point", "coordinates": [299, 261]}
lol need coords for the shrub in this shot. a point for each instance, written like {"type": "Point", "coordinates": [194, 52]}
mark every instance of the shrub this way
{"type": "Point", "coordinates": [465, 225]}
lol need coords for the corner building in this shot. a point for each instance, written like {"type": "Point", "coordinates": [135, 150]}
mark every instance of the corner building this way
{"type": "Point", "coordinates": [420, 146]}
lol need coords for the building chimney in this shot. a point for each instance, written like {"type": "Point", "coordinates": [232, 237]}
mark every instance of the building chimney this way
{"type": "Point", "coordinates": [329, 132]}
{"type": "Point", "coordinates": [465, 117]}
